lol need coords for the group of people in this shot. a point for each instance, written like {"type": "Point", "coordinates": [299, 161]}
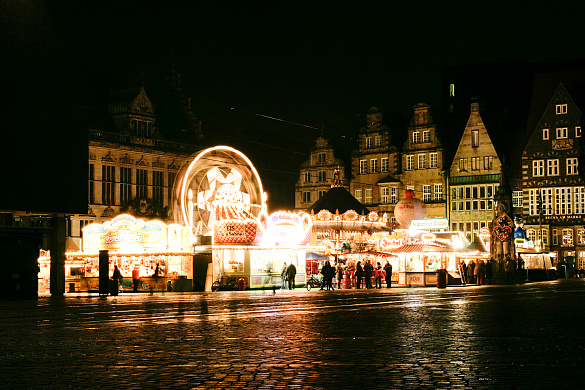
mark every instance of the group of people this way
{"type": "Point", "coordinates": [288, 274]}
{"type": "Point", "coordinates": [476, 272]}
{"type": "Point", "coordinates": [367, 272]}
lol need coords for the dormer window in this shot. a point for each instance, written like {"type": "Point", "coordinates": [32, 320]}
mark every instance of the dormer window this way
{"type": "Point", "coordinates": [426, 136]}
{"type": "Point", "coordinates": [322, 157]}
{"type": "Point", "coordinates": [141, 128]}
{"type": "Point", "coordinates": [368, 142]}
{"type": "Point", "coordinates": [378, 141]}
{"type": "Point", "coordinates": [561, 109]}
{"type": "Point", "coordinates": [415, 137]}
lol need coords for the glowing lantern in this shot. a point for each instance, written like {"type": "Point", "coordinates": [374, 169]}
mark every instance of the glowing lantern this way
{"type": "Point", "coordinates": [409, 208]}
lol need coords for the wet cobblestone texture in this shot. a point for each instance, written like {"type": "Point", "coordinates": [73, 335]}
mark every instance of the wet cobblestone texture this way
{"type": "Point", "coordinates": [490, 337]}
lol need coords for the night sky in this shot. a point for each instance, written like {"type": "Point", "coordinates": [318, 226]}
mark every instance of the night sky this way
{"type": "Point", "coordinates": [291, 71]}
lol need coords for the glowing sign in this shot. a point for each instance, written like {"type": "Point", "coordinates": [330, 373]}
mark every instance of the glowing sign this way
{"type": "Point", "coordinates": [125, 231]}
{"type": "Point", "coordinates": [288, 228]}
{"type": "Point", "coordinates": [429, 223]}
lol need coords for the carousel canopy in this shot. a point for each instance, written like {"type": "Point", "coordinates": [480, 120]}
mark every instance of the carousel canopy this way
{"type": "Point", "coordinates": [338, 199]}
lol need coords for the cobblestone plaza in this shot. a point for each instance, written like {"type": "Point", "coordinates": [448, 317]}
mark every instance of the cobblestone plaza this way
{"type": "Point", "coordinates": [504, 337]}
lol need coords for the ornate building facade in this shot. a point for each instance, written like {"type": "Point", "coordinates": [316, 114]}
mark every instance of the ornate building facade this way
{"type": "Point", "coordinates": [316, 175]}
{"type": "Point", "coordinates": [376, 166]}
{"type": "Point", "coordinates": [553, 190]}
{"type": "Point", "coordinates": [134, 157]}
{"type": "Point", "coordinates": [423, 162]}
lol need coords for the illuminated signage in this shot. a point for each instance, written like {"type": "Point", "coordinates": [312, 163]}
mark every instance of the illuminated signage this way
{"type": "Point", "coordinates": [125, 232]}
{"type": "Point", "coordinates": [288, 228]}
{"type": "Point", "coordinates": [429, 223]}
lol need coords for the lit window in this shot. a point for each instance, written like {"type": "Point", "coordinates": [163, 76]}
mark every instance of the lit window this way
{"type": "Point", "coordinates": [567, 236]}
{"type": "Point", "coordinates": [416, 137]}
{"type": "Point", "coordinates": [363, 166]}
{"type": "Point", "coordinates": [422, 161]}
{"type": "Point", "coordinates": [451, 90]}
{"type": "Point", "coordinates": [463, 164]}
{"type": "Point", "coordinates": [384, 191]}
{"type": "Point", "coordinates": [410, 162]}
{"type": "Point", "coordinates": [561, 109]}
{"type": "Point", "coordinates": [487, 162]}
{"type": "Point", "coordinates": [368, 142]}
{"type": "Point", "coordinates": [426, 193]}
{"type": "Point", "coordinates": [516, 198]}
{"type": "Point", "coordinates": [434, 160]}
{"type": "Point", "coordinates": [475, 163]}
{"type": "Point", "coordinates": [438, 192]}
{"type": "Point", "coordinates": [368, 197]}
{"type": "Point", "coordinates": [358, 195]}
{"type": "Point", "coordinates": [374, 165]}
{"type": "Point", "coordinates": [545, 134]}
{"type": "Point", "coordinates": [378, 141]}
{"type": "Point", "coordinates": [384, 164]}
{"type": "Point", "coordinates": [392, 195]}
{"type": "Point", "coordinates": [426, 136]}
{"type": "Point", "coordinates": [474, 138]}
{"type": "Point", "coordinates": [538, 168]}
{"type": "Point", "coordinates": [552, 167]}
{"type": "Point", "coordinates": [572, 165]}
{"type": "Point", "coordinates": [562, 132]}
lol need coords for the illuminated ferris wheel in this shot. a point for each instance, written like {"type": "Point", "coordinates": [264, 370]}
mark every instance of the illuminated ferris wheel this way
{"type": "Point", "coordinates": [219, 183]}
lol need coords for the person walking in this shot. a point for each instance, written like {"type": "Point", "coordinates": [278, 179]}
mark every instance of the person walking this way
{"type": "Point", "coordinates": [388, 270]}
{"type": "Point", "coordinates": [378, 275]}
{"type": "Point", "coordinates": [291, 273]}
{"type": "Point", "coordinates": [359, 274]}
{"type": "Point", "coordinates": [283, 273]}
{"type": "Point", "coordinates": [368, 269]}
{"type": "Point", "coordinates": [117, 277]}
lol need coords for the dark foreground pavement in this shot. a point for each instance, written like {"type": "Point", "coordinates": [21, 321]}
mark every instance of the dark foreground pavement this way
{"type": "Point", "coordinates": [497, 337]}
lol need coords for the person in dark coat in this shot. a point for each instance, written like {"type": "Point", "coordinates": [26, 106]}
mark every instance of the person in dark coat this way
{"type": "Point", "coordinates": [117, 277]}
{"type": "Point", "coordinates": [464, 278]}
{"type": "Point", "coordinates": [291, 273]}
{"type": "Point", "coordinates": [327, 272]}
{"type": "Point", "coordinates": [359, 274]}
{"type": "Point", "coordinates": [471, 272]}
{"type": "Point", "coordinates": [388, 270]}
{"type": "Point", "coordinates": [339, 274]}
{"type": "Point", "coordinates": [488, 271]}
{"type": "Point", "coordinates": [368, 269]}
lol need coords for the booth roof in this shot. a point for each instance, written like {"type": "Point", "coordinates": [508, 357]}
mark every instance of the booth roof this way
{"type": "Point", "coordinates": [410, 248]}
{"type": "Point", "coordinates": [338, 199]}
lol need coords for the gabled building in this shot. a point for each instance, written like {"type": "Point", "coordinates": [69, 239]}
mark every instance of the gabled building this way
{"type": "Point", "coordinates": [316, 174]}
{"type": "Point", "coordinates": [376, 166]}
{"type": "Point", "coordinates": [423, 162]}
{"type": "Point", "coordinates": [553, 190]}
{"type": "Point", "coordinates": [474, 178]}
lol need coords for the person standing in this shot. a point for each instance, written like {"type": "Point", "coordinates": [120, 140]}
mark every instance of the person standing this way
{"type": "Point", "coordinates": [471, 272]}
{"type": "Point", "coordinates": [388, 270]}
{"type": "Point", "coordinates": [378, 275]}
{"type": "Point", "coordinates": [339, 274]}
{"type": "Point", "coordinates": [463, 272]}
{"type": "Point", "coordinates": [359, 274]}
{"type": "Point", "coordinates": [283, 273]}
{"type": "Point", "coordinates": [480, 272]}
{"type": "Point", "coordinates": [291, 273]}
{"type": "Point", "coordinates": [368, 269]}
{"type": "Point", "coordinates": [117, 277]}
{"type": "Point", "coordinates": [489, 272]}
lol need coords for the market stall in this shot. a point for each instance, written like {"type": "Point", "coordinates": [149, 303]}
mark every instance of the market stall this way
{"type": "Point", "coordinates": [149, 254]}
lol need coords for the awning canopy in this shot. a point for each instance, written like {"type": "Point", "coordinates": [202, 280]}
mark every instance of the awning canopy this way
{"type": "Point", "coordinates": [424, 248]}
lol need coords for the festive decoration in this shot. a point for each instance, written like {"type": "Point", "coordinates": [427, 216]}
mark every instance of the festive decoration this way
{"type": "Point", "coordinates": [410, 208]}
{"type": "Point", "coordinates": [502, 232]}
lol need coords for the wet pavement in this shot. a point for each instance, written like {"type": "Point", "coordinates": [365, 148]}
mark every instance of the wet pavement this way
{"type": "Point", "coordinates": [493, 337]}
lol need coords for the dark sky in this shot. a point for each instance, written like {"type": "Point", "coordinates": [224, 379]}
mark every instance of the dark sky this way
{"type": "Point", "coordinates": [311, 63]}
{"type": "Point", "coordinates": [280, 70]}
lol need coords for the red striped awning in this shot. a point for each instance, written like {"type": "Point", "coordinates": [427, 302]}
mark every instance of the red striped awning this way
{"type": "Point", "coordinates": [410, 248]}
